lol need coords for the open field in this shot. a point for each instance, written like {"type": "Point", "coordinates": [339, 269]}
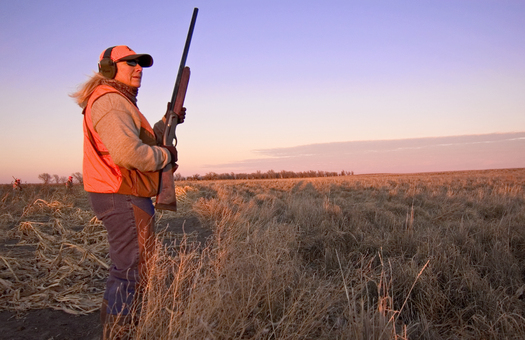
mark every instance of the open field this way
{"type": "Point", "coordinates": [420, 256]}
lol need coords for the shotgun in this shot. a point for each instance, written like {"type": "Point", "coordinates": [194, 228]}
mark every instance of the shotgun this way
{"type": "Point", "coordinates": [167, 198]}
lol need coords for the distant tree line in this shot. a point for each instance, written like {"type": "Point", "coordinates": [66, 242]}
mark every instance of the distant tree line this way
{"type": "Point", "coordinates": [270, 174]}
{"type": "Point", "coordinates": [50, 179]}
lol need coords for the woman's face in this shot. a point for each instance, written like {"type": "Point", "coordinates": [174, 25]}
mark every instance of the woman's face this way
{"type": "Point", "coordinates": [129, 75]}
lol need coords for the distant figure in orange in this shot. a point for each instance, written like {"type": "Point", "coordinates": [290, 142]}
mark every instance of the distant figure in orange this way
{"type": "Point", "coordinates": [17, 185]}
{"type": "Point", "coordinates": [69, 183]}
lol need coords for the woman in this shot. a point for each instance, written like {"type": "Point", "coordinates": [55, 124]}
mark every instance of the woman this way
{"type": "Point", "coordinates": [122, 158]}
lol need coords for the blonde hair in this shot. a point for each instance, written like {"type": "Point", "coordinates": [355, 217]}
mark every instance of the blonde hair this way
{"type": "Point", "coordinates": [81, 97]}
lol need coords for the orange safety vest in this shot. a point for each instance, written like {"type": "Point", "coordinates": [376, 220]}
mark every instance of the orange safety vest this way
{"type": "Point", "coordinates": [101, 174]}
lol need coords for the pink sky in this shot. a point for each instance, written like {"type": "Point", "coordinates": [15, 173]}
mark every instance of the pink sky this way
{"type": "Point", "coordinates": [365, 86]}
{"type": "Point", "coordinates": [473, 152]}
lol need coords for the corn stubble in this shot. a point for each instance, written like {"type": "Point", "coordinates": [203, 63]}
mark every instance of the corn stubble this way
{"type": "Point", "coordinates": [421, 256]}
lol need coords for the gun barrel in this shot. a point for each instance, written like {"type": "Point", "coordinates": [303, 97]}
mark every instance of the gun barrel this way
{"type": "Point", "coordinates": [184, 57]}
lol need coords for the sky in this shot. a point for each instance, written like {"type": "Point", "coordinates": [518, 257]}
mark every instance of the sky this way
{"type": "Point", "coordinates": [364, 86]}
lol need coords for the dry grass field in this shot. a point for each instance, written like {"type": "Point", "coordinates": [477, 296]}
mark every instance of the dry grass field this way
{"type": "Point", "coordinates": [420, 256]}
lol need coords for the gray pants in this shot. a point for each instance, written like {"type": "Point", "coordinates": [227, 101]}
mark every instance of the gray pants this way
{"type": "Point", "coordinates": [129, 221]}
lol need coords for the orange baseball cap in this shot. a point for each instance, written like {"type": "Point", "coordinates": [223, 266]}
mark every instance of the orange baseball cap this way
{"type": "Point", "coordinates": [123, 53]}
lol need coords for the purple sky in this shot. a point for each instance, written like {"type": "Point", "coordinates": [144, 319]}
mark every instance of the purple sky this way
{"type": "Point", "coordinates": [273, 76]}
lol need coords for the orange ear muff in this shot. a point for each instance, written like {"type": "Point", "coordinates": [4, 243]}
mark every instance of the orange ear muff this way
{"type": "Point", "coordinates": [107, 66]}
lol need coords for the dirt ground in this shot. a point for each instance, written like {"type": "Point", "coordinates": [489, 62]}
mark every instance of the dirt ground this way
{"type": "Point", "coordinates": [48, 324]}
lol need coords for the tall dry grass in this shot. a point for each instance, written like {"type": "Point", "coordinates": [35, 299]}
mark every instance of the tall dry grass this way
{"type": "Point", "coordinates": [437, 256]}
{"type": "Point", "coordinates": [423, 256]}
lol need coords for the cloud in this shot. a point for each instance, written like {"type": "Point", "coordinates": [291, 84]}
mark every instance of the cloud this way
{"type": "Point", "coordinates": [469, 152]}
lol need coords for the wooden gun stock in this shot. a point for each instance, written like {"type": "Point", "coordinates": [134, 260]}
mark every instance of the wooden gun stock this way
{"type": "Point", "coordinates": [173, 119]}
{"type": "Point", "coordinates": [167, 199]}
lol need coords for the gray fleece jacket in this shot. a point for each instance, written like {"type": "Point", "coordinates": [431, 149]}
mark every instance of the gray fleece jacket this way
{"type": "Point", "coordinates": [118, 124]}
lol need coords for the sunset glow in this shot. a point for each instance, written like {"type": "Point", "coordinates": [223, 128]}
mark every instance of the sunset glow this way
{"type": "Point", "coordinates": [370, 87]}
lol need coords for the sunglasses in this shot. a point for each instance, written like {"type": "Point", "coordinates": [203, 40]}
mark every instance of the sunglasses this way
{"type": "Point", "coordinates": [132, 63]}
